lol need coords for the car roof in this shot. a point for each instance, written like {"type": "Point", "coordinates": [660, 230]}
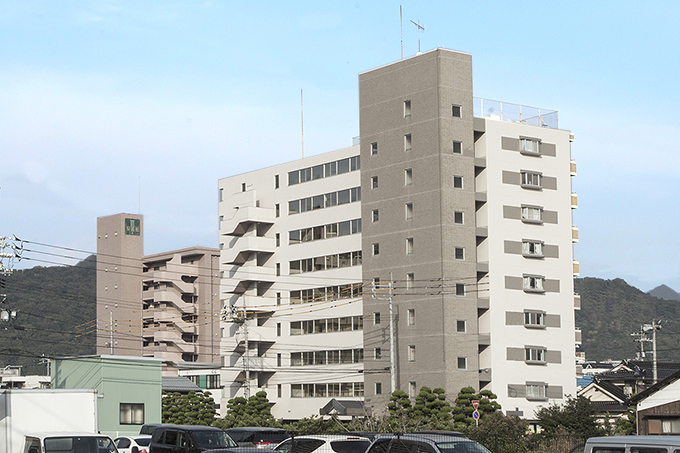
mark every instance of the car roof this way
{"type": "Point", "coordinates": [255, 429]}
{"type": "Point", "coordinates": [332, 437]}
{"type": "Point", "coordinates": [135, 437]}
{"type": "Point", "coordinates": [45, 434]}
{"type": "Point", "coordinates": [189, 427]}
{"type": "Point", "coordinates": [635, 440]}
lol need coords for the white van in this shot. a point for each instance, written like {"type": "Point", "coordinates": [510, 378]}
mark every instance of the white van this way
{"type": "Point", "coordinates": [633, 444]}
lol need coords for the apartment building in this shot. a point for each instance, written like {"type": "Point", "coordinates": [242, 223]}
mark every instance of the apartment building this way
{"type": "Point", "coordinates": [291, 283]}
{"type": "Point", "coordinates": [457, 210]}
{"type": "Point", "coordinates": [163, 305]}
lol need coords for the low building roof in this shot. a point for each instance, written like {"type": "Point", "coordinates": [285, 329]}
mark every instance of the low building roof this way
{"type": "Point", "coordinates": [178, 384]}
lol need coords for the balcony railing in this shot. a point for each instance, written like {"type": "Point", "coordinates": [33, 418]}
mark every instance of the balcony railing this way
{"type": "Point", "coordinates": [514, 113]}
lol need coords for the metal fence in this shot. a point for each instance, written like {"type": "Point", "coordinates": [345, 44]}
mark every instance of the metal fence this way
{"type": "Point", "coordinates": [515, 113]}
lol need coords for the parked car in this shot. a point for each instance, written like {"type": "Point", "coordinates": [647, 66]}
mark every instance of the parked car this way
{"type": "Point", "coordinates": [258, 437]}
{"type": "Point", "coordinates": [190, 439]}
{"type": "Point", "coordinates": [133, 444]}
{"type": "Point", "coordinates": [425, 443]}
{"type": "Point", "coordinates": [324, 444]}
{"type": "Point", "coordinates": [633, 444]}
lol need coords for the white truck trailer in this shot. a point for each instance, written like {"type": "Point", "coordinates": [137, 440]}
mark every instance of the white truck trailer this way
{"type": "Point", "coordinates": [68, 418]}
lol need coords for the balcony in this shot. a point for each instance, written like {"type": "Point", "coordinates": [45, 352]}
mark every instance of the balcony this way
{"type": "Point", "coordinates": [244, 217]}
{"type": "Point", "coordinates": [514, 113]}
{"type": "Point", "coordinates": [238, 279]}
{"type": "Point", "coordinates": [244, 246]}
{"type": "Point", "coordinates": [574, 234]}
{"type": "Point", "coordinates": [572, 167]}
{"type": "Point", "coordinates": [577, 301]}
{"type": "Point", "coordinates": [483, 341]}
{"type": "Point", "coordinates": [574, 200]}
{"type": "Point", "coordinates": [485, 375]}
{"type": "Point", "coordinates": [578, 336]}
{"type": "Point", "coordinates": [576, 268]}
{"type": "Point", "coordinates": [166, 276]}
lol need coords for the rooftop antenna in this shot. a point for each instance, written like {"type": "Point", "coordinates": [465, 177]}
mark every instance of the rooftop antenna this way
{"type": "Point", "coordinates": [401, 32]}
{"type": "Point", "coordinates": [420, 27]}
{"type": "Point", "coordinates": [302, 124]}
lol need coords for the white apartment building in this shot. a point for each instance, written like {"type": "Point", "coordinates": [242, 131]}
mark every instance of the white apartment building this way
{"type": "Point", "coordinates": [291, 283]}
{"type": "Point", "coordinates": [463, 204]}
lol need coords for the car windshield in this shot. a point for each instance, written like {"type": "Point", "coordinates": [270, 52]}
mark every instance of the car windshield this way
{"type": "Point", "coordinates": [461, 446]}
{"type": "Point", "coordinates": [213, 439]}
{"type": "Point", "coordinates": [143, 442]}
{"type": "Point", "coordinates": [79, 444]}
{"type": "Point", "coordinates": [350, 446]}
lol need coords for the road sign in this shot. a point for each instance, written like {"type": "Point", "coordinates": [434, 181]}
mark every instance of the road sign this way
{"type": "Point", "coordinates": [475, 404]}
{"type": "Point", "coordinates": [475, 414]}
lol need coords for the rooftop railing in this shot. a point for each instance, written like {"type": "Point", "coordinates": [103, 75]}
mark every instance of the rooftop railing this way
{"type": "Point", "coordinates": [514, 113]}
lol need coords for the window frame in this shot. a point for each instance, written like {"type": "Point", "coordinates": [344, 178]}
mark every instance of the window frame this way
{"type": "Point", "coordinates": [530, 212]}
{"type": "Point", "coordinates": [535, 355]}
{"type": "Point", "coordinates": [411, 353]}
{"type": "Point", "coordinates": [532, 248]}
{"type": "Point", "coordinates": [530, 146]}
{"type": "Point", "coordinates": [456, 111]}
{"type": "Point", "coordinates": [534, 319]}
{"type": "Point", "coordinates": [457, 182]}
{"type": "Point", "coordinates": [374, 182]}
{"type": "Point", "coordinates": [407, 108]}
{"type": "Point", "coordinates": [408, 177]}
{"type": "Point", "coordinates": [409, 246]}
{"type": "Point", "coordinates": [457, 147]}
{"type": "Point", "coordinates": [533, 283]}
{"type": "Point", "coordinates": [531, 179]}
{"type": "Point", "coordinates": [128, 413]}
{"type": "Point", "coordinates": [408, 142]}
{"type": "Point", "coordinates": [374, 148]}
{"type": "Point", "coordinates": [462, 360]}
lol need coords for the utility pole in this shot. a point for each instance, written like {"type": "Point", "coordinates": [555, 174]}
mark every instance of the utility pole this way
{"type": "Point", "coordinates": [389, 287]}
{"type": "Point", "coordinates": [642, 338]}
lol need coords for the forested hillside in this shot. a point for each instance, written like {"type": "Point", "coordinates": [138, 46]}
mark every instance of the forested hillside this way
{"type": "Point", "coordinates": [611, 310]}
{"type": "Point", "coordinates": [57, 316]}
{"type": "Point", "coordinates": [56, 312]}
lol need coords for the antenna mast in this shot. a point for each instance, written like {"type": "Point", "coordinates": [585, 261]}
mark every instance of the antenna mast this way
{"type": "Point", "coordinates": [420, 27]}
{"type": "Point", "coordinates": [302, 124]}
{"type": "Point", "coordinates": [401, 32]}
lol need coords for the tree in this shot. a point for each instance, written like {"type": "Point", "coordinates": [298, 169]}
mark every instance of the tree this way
{"type": "Point", "coordinates": [463, 409]}
{"type": "Point", "coordinates": [627, 424]}
{"type": "Point", "coordinates": [194, 408]}
{"type": "Point", "coordinates": [498, 432]}
{"type": "Point", "coordinates": [576, 416]}
{"type": "Point", "coordinates": [432, 407]}
{"type": "Point", "coordinates": [255, 411]}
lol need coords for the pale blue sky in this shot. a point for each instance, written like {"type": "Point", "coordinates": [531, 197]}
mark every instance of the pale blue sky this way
{"type": "Point", "coordinates": [95, 94]}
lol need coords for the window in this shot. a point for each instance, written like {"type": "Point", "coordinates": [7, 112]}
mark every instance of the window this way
{"type": "Point", "coordinates": [276, 181]}
{"type": "Point", "coordinates": [376, 318]}
{"type": "Point", "coordinates": [407, 142]}
{"type": "Point", "coordinates": [462, 363]}
{"type": "Point", "coordinates": [456, 111]}
{"type": "Point", "coordinates": [243, 187]}
{"type": "Point", "coordinates": [458, 217]}
{"type": "Point", "coordinates": [131, 414]}
{"type": "Point", "coordinates": [533, 214]}
{"type": "Point", "coordinates": [408, 176]}
{"type": "Point", "coordinates": [278, 239]}
{"type": "Point", "coordinates": [374, 182]}
{"type": "Point", "coordinates": [461, 326]}
{"type": "Point", "coordinates": [409, 211]}
{"type": "Point", "coordinates": [278, 210]}
{"type": "Point", "coordinates": [317, 172]}
{"type": "Point", "coordinates": [459, 253]}
{"type": "Point", "coordinates": [407, 108]}
{"type": "Point", "coordinates": [534, 319]}
{"type": "Point", "coordinates": [457, 147]}
{"type": "Point", "coordinates": [409, 246]}
{"type": "Point", "coordinates": [460, 289]}
{"type": "Point", "coordinates": [534, 354]}
{"type": "Point", "coordinates": [374, 148]}
{"type": "Point", "coordinates": [529, 146]}
{"type": "Point", "coordinates": [378, 388]}
{"type": "Point", "coordinates": [377, 353]}
{"type": "Point", "coordinates": [411, 317]}
{"type": "Point", "coordinates": [531, 179]}
{"type": "Point", "coordinates": [457, 182]}
{"type": "Point", "coordinates": [376, 215]}
{"type": "Point", "coordinates": [278, 269]}
{"type": "Point", "coordinates": [533, 283]}
{"type": "Point", "coordinates": [409, 281]}
{"type": "Point", "coordinates": [376, 249]}
{"type": "Point", "coordinates": [532, 248]}
{"type": "Point", "coordinates": [278, 390]}
{"type": "Point", "coordinates": [536, 391]}
{"type": "Point", "coordinates": [278, 359]}
{"type": "Point", "coordinates": [412, 389]}
{"type": "Point", "coordinates": [411, 353]}
{"type": "Point", "coordinates": [278, 298]}
{"type": "Point", "coordinates": [278, 329]}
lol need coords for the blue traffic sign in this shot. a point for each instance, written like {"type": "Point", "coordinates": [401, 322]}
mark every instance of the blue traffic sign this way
{"type": "Point", "coordinates": [475, 415]}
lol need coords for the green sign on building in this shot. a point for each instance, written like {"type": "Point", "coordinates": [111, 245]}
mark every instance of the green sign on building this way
{"type": "Point", "coordinates": [132, 227]}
